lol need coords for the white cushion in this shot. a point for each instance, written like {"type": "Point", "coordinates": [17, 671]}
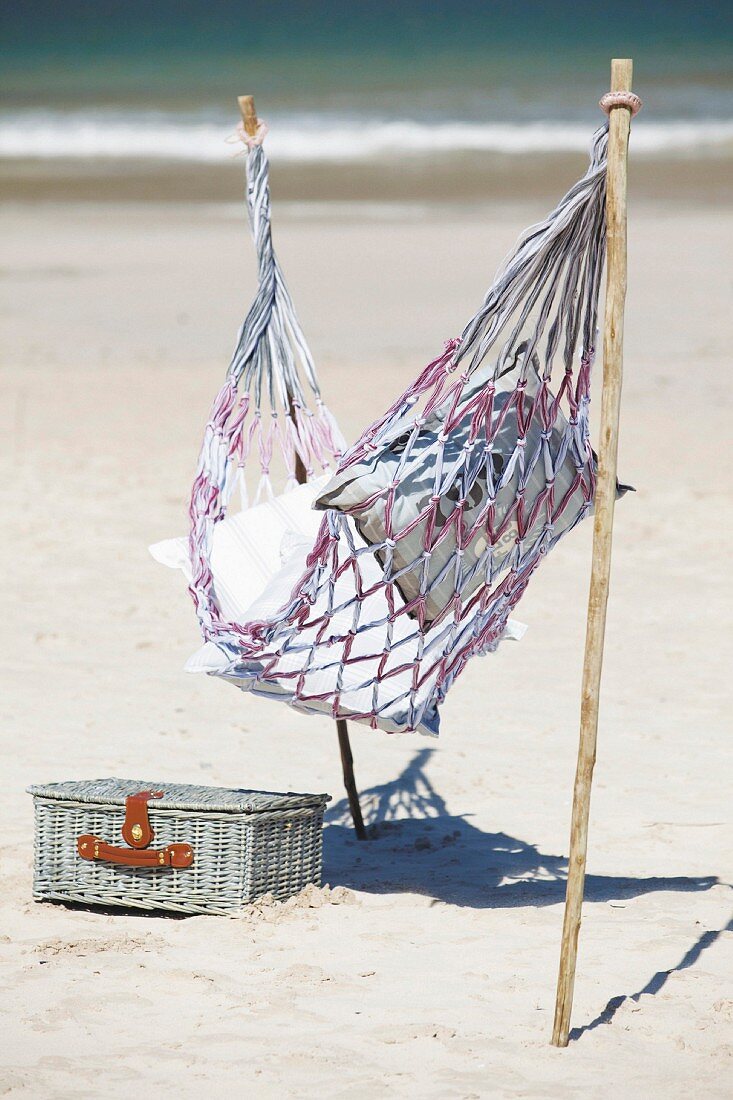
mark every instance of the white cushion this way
{"type": "Point", "coordinates": [245, 547]}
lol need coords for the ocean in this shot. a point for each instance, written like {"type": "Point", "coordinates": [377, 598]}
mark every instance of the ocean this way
{"type": "Point", "coordinates": [338, 83]}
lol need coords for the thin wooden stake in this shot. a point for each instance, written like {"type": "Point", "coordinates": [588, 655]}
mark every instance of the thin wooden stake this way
{"type": "Point", "coordinates": [605, 498]}
{"type": "Point", "coordinates": [251, 122]}
{"type": "Point", "coordinates": [347, 766]}
{"type": "Point", "coordinates": [249, 114]}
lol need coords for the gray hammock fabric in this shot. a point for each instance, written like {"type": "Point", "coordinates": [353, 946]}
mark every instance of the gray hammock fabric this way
{"type": "Point", "coordinates": [438, 516]}
{"type": "Point", "coordinates": [270, 408]}
{"type": "Point", "coordinates": [489, 475]}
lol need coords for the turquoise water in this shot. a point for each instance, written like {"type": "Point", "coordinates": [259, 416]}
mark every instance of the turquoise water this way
{"type": "Point", "coordinates": [157, 78]}
{"type": "Point", "coordinates": [529, 59]}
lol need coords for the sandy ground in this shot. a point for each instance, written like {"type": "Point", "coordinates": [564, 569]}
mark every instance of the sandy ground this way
{"type": "Point", "coordinates": [464, 177]}
{"type": "Point", "coordinates": [431, 973]}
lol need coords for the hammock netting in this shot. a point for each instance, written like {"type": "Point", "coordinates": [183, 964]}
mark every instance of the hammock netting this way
{"type": "Point", "coordinates": [437, 517]}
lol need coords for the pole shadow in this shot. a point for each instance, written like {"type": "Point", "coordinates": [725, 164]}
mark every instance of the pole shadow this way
{"type": "Point", "coordinates": [418, 847]}
{"type": "Point", "coordinates": [655, 983]}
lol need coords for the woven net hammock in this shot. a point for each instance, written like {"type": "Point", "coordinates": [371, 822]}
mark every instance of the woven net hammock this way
{"type": "Point", "coordinates": [438, 516]}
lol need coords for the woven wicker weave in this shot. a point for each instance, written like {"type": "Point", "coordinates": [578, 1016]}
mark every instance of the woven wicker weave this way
{"type": "Point", "coordinates": [245, 844]}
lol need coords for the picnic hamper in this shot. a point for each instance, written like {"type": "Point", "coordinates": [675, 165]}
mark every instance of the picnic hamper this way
{"type": "Point", "coordinates": [187, 849]}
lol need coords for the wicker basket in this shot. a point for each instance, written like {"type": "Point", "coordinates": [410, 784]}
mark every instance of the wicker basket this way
{"type": "Point", "coordinates": [173, 846]}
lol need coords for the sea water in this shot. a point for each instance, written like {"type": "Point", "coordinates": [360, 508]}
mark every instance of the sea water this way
{"type": "Point", "coordinates": [358, 82]}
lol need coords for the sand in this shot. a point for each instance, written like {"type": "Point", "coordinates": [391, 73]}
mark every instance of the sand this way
{"type": "Point", "coordinates": [463, 177]}
{"type": "Point", "coordinates": [428, 967]}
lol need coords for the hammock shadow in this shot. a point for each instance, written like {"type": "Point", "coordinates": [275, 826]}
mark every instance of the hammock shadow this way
{"type": "Point", "coordinates": [417, 847]}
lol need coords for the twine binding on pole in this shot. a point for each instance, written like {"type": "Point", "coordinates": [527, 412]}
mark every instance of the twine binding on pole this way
{"type": "Point", "coordinates": [629, 100]}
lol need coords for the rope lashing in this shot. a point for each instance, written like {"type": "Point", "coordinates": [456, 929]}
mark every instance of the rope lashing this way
{"type": "Point", "coordinates": [250, 140]}
{"type": "Point", "coordinates": [628, 100]}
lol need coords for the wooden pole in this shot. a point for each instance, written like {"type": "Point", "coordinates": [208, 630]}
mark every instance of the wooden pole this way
{"type": "Point", "coordinates": [249, 114]}
{"type": "Point", "coordinates": [605, 498]}
{"type": "Point", "coordinates": [347, 766]}
{"type": "Point", "coordinates": [251, 122]}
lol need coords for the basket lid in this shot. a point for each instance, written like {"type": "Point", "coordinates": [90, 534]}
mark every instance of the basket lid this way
{"type": "Point", "coordinates": [177, 796]}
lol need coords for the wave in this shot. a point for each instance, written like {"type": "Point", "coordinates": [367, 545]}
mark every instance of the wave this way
{"type": "Point", "coordinates": [155, 135]}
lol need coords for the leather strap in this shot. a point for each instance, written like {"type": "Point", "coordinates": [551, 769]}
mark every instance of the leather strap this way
{"type": "Point", "coordinates": [174, 855]}
{"type": "Point", "coordinates": [138, 833]}
{"type": "Point", "coordinates": [137, 830]}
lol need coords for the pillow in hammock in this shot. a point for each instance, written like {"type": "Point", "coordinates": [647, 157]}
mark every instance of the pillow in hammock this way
{"type": "Point", "coordinates": [464, 474]}
{"type": "Point", "coordinates": [245, 547]}
{"type": "Point", "coordinates": [367, 683]}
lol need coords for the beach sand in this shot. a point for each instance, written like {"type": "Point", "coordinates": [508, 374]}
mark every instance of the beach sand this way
{"type": "Point", "coordinates": [430, 971]}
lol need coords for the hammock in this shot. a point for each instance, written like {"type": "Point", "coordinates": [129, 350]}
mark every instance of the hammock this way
{"type": "Point", "coordinates": [437, 517]}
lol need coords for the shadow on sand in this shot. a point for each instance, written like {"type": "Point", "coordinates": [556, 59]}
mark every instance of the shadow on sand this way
{"type": "Point", "coordinates": [655, 983]}
{"type": "Point", "coordinates": [418, 847]}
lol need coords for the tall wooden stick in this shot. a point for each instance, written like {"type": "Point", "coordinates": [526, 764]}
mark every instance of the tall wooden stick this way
{"type": "Point", "coordinates": [249, 114]}
{"type": "Point", "coordinates": [605, 498]}
{"type": "Point", "coordinates": [347, 767]}
{"type": "Point", "coordinates": [249, 117]}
